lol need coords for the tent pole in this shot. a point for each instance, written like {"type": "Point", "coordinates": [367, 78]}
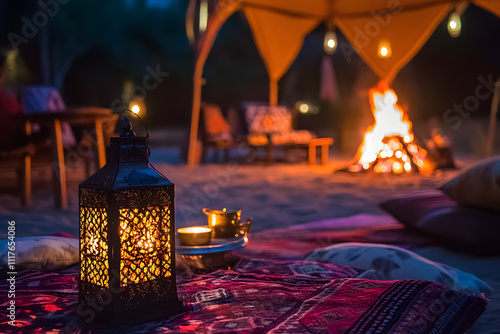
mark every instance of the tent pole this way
{"type": "Point", "coordinates": [273, 92]}
{"type": "Point", "coordinates": [490, 143]}
{"type": "Point", "coordinates": [195, 120]}
{"type": "Point", "coordinates": [203, 47]}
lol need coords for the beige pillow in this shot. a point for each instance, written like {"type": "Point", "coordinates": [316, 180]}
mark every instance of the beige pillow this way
{"type": "Point", "coordinates": [477, 185]}
{"type": "Point", "coordinates": [41, 253]}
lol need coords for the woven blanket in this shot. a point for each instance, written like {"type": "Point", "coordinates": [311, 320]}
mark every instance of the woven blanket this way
{"type": "Point", "coordinates": [259, 296]}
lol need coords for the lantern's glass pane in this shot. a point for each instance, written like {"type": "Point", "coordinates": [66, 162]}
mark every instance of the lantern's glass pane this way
{"type": "Point", "coordinates": [94, 246]}
{"type": "Point", "coordinates": [145, 244]}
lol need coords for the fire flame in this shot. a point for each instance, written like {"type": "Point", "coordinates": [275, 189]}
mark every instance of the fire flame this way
{"type": "Point", "coordinates": [388, 145]}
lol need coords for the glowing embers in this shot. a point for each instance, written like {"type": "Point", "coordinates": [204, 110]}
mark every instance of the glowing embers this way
{"type": "Point", "coordinates": [389, 145]}
{"type": "Point", "coordinates": [145, 244]}
{"type": "Point", "coordinates": [94, 248]}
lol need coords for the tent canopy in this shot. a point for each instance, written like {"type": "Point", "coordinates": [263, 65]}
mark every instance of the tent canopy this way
{"type": "Point", "coordinates": [280, 26]}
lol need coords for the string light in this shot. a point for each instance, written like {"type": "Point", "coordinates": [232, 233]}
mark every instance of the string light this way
{"type": "Point", "coordinates": [304, 108]}
{"type": "Point", "coordinates": [135, 109]}
{"type": "Point", "coordinates": [384, 48]}
{"type": "Point", "coordinates": [137, 105]}
{"type": "Point", "coordinates": [203, 15]}
{"type": "Point", "coordinates": [330, 42]}
{"type": "Point", "coordinates": [454, 25]}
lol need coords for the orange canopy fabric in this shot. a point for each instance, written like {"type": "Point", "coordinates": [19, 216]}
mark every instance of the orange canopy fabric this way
{"type": "Point", "coordinates": [407, 32]}
{"type": "Point", "coordinates": [278, 37]}
{"type": "Point", "coordinates": [280, 26]}
{"type": "Point", "coordinates": [492, 6]}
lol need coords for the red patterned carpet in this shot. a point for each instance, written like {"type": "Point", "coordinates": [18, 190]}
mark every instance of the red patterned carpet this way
{"type": "Point", "coordinates": [260, 296]}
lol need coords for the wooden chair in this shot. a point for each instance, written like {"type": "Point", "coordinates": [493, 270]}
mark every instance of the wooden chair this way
{"type": "Point", "coordinates": [215, 132]}
{"type": "Point", "coordinates": [20, 160]}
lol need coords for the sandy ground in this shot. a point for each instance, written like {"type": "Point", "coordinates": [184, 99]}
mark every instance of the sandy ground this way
{"type": "Point", "coordinates": [275, 196]}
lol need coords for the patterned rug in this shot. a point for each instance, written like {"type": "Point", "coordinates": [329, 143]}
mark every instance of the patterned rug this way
{"type": "Point", "coordinates": [259, 296]}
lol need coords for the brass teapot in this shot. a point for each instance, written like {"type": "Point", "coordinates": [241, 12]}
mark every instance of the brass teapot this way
{"type": "Point", "coordinates": [226, 223]}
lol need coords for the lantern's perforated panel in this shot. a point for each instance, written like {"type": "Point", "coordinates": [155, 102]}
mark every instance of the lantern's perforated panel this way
{"type": "Point", "coordinates": [145, 244]}
{"type": "Point", "coordinates": [93, 238]}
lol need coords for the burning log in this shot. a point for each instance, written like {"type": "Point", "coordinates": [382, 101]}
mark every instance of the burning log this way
{"type": "Point", "coordinates": [439, 150]}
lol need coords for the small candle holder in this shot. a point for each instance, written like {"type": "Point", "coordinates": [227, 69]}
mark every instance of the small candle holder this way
{"type": "Point", "coordinates": [195, 236]}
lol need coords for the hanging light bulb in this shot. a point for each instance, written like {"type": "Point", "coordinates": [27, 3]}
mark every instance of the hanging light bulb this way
{"type": "Point", "coordinates": [137, 105]}
{"type": "Point", "coordinates": [384, 48]}
{"type": "Point", "coordinates": [203, 15]}
{"type": "Point", "coordinates": [330, 42]}
{"type": "Point", "coordinates": [454, 25]}
{"type": "Point", "coordinates": [135, 109]}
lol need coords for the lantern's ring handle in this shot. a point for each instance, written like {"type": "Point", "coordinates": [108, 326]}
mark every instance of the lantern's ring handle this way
{"type": "Point", "coordinates": [147, 136]}
{"type": "Point", "coordinates": [139, 117]}
{"type": "Point", "coordinates": [147, 132]}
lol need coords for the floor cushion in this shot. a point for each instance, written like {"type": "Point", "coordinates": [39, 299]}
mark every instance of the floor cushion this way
{"type": "Point", "coordinates": [40, 253]}
{"type": "Point", "coordinates": [458, 227]}
{"type": "Point", "coordinates": [477, 185]}
{"type": "Point", "coordinates": [385, 262]}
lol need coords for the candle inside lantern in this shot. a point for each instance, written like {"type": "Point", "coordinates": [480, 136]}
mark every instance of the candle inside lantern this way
{"type": "Point", "coordinates": [195, 235]}
{"type": "Point", "coordinates": [93, 243]}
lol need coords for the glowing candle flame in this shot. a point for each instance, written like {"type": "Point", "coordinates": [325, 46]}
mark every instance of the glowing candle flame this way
{"type": "Point", "coordinates": [195, 229]}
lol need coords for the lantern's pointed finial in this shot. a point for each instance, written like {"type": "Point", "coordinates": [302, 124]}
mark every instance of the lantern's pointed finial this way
{"type": "Point", "coordinates": [126, 128]}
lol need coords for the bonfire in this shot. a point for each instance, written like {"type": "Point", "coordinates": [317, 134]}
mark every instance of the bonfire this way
{"type": "Point", "coordinates": [389, 145]}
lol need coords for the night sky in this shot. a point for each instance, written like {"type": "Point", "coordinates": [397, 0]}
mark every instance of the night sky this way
{"type": "Point", "coordinates": [119, 40]}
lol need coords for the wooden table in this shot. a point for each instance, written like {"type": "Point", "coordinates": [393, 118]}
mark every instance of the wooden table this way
{"type": "Point", "coordinates": [324, 143]}
{"type": "Point", "coordinates": [74, 116]}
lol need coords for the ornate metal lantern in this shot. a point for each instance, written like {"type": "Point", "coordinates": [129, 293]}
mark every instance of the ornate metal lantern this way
{"type": "Point", "coordinates": [127, 229]}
